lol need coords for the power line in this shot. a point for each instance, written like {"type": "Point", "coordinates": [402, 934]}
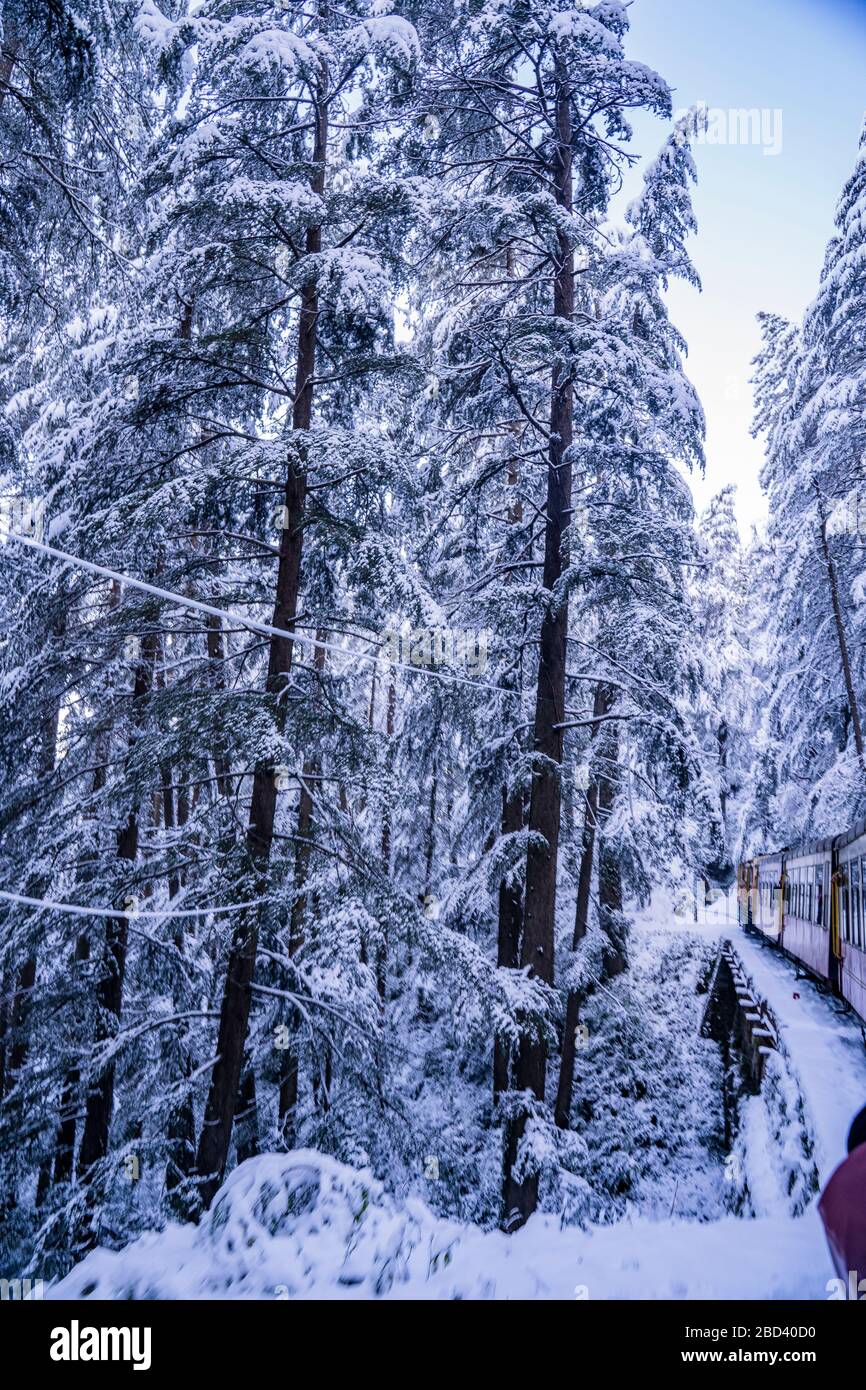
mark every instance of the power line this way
{"type": "Point", "coordinates": [251, 624]}
{"type": "Point", "coordinates": [78, 910]}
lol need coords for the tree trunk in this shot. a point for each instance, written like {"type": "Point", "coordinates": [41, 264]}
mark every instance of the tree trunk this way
{"type": "Point", "coordinates": [609, 878]}
{"type": "Point", "coordinates": [181, 1122]}
{"type": "Point", "coordinates": [562, 1109]}
{"type": "Point", "coordinates": [64, 1144]}
{"type": "Point", "coordinates": [430, 855]}
{"type": "Point", "coordinates": [235, 1009]}
{"type": "Point", "coordinates": [109, 989]}
{"type": "Point", "coordinates": [5, 991]}
{"type": "Point", "coordinates": [382, 956]}
{"type": "Point", "coordinates": [247, 1118]}
{"type": "Point", "coordinates": [508, 939]}
{"type": "Point", "coordinates": [216, 656]}
{"type": "Point", "coordinates": [722, 737]}
{"type": "Point", "coordinates": [520, 1198]}
{"type": "Point", "coordinates": [290, 1061]}
{"type": "Point", "coordinates": [8, 56]}
{"type": "Point", "coordinates": [853, 705]}
{"type": "Point", "coordinates": [19, 1006]}
{"type": "Point", "coordinates": [170, 822]}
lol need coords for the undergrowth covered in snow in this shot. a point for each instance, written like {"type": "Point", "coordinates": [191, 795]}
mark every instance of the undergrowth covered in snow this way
{"type": "Point", "coordinates": [301, 1225]}
{"type": "Point", "coordinates": [649, 1089]}
{"type": "Point", "coordinates": [651, 1215]}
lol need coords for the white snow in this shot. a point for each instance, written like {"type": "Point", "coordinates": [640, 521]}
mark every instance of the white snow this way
{"type": "Point", "coordinates": [825, 1048]}
{"type": "Point", "coordinates": [302, 1225]}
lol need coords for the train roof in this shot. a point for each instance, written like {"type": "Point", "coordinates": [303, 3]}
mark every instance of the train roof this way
{"type": "Point", "coordinates": [829, 842]}
{"type": "Point", "coordinates": [849, 836]}
{"type": "Point", "coordinates": [813, 846]}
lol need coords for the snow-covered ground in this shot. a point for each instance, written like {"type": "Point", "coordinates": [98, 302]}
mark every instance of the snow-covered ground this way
{"type": "Point", "coordinates": [301, 1225]}
{"type": "Point", "coordinates": [825, 1047]}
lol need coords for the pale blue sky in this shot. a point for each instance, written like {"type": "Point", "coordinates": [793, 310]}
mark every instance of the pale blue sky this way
{"type": "Point", "coordinates": [764, 220]}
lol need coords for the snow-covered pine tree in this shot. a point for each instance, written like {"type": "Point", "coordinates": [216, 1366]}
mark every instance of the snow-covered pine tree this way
{"type": "Point", "coordinates": [647, 807]}
{"type": "Point", "coordinates": [528, 363]}
{"type": "Point", "coordinates": [70, 87]}
{"type": "Point", "coordinates": [729, 691]}
{"type": "Point", "coordinates": [810, 409]}
{"type": "Point", "coordinates": [277, 245]}
{"type": "Point", "coordinates": [350, 352]}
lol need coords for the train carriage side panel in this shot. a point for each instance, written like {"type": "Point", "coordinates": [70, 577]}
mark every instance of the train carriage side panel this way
{"type": "Point", "coordinates": [745, 871]}
{"type": "Point", "coordinates": [806, 934]}
{"type": "Point", "coordinates": [851, 853]}
{"type": "Point", "coordinates": [769, 918]}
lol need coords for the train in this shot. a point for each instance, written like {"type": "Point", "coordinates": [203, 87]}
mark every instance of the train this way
{"type": "Point", "coordinates": [811, 902]}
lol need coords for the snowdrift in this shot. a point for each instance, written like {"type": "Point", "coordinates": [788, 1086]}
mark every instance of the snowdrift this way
{"type": "Point", "coordinates": [301, 1225]}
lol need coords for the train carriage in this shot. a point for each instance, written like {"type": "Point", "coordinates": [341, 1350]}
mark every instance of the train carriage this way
{"type": "Point", "coordinates": [806, 897]}
{"type": "Point", "coordinates": [851, 885]}
{"type": "Point", "coordinates": [746, 870]}
{"type": "Point", "coordinates": [811, 901]}
{"type": "Point", "coordinates": [759, 894]}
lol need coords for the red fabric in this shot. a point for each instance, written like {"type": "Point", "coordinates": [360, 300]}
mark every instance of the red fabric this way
{"type": "Point", "coordinates": [843, 1211]}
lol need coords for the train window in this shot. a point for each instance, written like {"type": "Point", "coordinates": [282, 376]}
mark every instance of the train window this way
{"type": "Point", "coordinates": [810, 877]}
{"type": "Point", "coordinates": [819, 894]}
{"type": "Point", "coordinates": [852, 868]}
{"type": "Point", "coordinates": [856, 904]}
{"type": "Point", "coordinates": [843, 901]}
{"type": "Point", "coordinates": [862, 941]}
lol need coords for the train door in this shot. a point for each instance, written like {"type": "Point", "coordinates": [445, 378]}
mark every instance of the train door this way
{"type": "Point", "coordinates": [854, 902]}
{"type": "Point", "coordinates": [837, 912]}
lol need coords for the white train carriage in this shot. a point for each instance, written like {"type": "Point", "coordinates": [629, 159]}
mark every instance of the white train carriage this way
{"type": "Point", "coordinates": [808, 918]}
{"type": "Point", "coordinates": [766, 895]}
{"type": "Point", "coordinates": [851, 887]}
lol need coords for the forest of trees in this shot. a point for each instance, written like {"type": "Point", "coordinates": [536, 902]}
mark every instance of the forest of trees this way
{"type": "Point", "coordinates": [361, 656]}
{"type": "Point", "coordinates": [810, 656]}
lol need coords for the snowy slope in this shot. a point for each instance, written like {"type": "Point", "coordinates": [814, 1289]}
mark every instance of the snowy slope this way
{"type": "Point", "coordinates": [303, 1226]}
